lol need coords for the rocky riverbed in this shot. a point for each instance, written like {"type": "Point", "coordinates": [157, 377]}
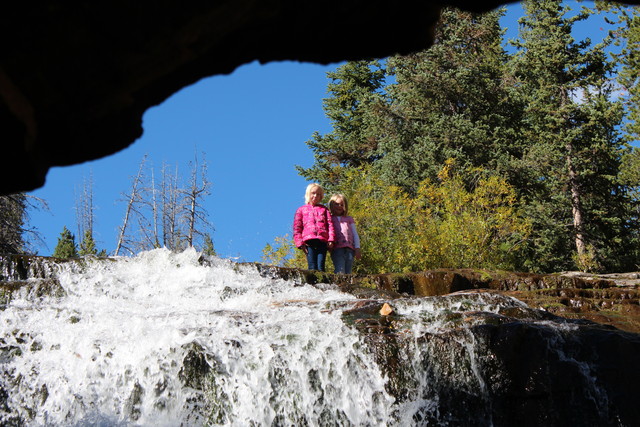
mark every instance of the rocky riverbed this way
{"type": "Point", "coordinates": [185, 337]}
{"type": "Point", "coordinates": [610, 299]}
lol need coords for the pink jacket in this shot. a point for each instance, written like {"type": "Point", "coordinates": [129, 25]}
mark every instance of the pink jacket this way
{"type": "Point", "coordinates": [312, 222]}
{"type": "Point", "coordinates": [346, 234]}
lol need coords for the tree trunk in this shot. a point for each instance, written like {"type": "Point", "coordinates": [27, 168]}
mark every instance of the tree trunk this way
{"type": "Point", "coordinates": [132, 198]}
{"type": "Point", "coordinates": [576, 205]}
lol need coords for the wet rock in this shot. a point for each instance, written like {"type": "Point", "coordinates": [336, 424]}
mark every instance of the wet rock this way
{"type": "Point", "coordinates": [195, 368]}
{"type": "Point", "coordinates": [616, 306]}
{"type": "Point", "coordinates": [542, 374]}
{"type": "Point", "coordinates": [31, 289]}
{"type": "Point", "coordinates": [612, 299]}
{"type": "Point", "coordinates": [23, 267]}
{"type": "Point", "coordinates": [132, 406]}
{"type": "Point", "coordinates": [488, 368]}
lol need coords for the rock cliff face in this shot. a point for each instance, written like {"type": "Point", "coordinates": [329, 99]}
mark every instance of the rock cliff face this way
{"type": "Point", "coordinates": [525, 367]}
{"type": "Point", "coordinates": [76, 77]}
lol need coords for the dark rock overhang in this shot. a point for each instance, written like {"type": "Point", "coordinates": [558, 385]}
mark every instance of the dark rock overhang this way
{"type": "Point", "coordinates": [76, 77]}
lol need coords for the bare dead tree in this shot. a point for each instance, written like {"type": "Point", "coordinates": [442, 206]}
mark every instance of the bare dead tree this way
{"type": "Point", "coordinates": [194, 213]}
{"type": "Point", "coordinates": [12, 219]}
{"type": "Point", "coordinates": [164, 213]}
{"type": "Point", "coordinates": [16, 235]}
{"type": "Point", "coordinates": [170, 207]}
{"type": "Point", "coordinates": [85, 212]}
{"type": "Point", "coordinates": [155, 210]}
{"type": "Point", "coordinates": [144, 240]}
{"type": "Point", "coordinates": [133, 198]}
{"type": "Point", "coordinates": [147, 212]}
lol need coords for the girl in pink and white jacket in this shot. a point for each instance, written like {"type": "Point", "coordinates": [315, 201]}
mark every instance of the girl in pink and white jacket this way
{"type": "Point", "coordinates": [313, 230]}
{"type": "Point", "coordinates": [347, 245]}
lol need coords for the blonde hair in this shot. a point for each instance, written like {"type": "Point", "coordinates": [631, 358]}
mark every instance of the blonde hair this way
{"type": "Point", "coordinates": [334, 199]}
{"type": "Point", "coordinates": [310, 187]}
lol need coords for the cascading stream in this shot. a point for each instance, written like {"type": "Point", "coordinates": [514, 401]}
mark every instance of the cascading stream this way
{"type": "Point", "coordinates": [112, 351]}
{"type": "Point", "coordinates": [164, 339]}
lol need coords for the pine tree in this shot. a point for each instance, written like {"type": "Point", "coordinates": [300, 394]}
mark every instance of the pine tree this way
{"type": "Point", "coordinates": [208, 248]}
{"type": "Point", "coordinates": [66, 247]}
{"type": "Point", "coordinates": [88, 245]}
{"type": "Point", "coordinates": [16, 235]}
{"type": "Point", "coordinates": [451, 101]}
{"type": "Point", "coordinates": [628, 37]}
{"type": "Point", "coordinates": [573, 199]}
{"type": "Point", "coordinates": [355, 91]}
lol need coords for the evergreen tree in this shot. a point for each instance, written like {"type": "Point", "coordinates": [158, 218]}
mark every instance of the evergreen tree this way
{"type": "Point", "coordinates": [573, 158]}
{"type": "Point", "coordinates": [355, 91]}
{"type": "Point", "coordinates": [208, 248]}
{"type": "Point", "coordinates": [630, 173]}
{"type": "Point", "coordinates": [546, 119]}
{"type": "Point", "coordinates": [451, 101]}
{"type": "Point", "coordinates": [66, 247]}
{"type": "Point", "coordinates": [628, 37]}
{"type": "Point", "coordinates": [88, 245]}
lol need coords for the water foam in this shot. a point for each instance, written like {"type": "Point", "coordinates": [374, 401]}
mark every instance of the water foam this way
{"type": "Point", "coordinates": [112, 350]}
{"type": "Point", "coordinates": [165, 339]}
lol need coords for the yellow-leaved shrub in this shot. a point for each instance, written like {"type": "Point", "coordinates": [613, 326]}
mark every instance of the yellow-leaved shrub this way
{"type": "Point", "coordinates": [445, 225]}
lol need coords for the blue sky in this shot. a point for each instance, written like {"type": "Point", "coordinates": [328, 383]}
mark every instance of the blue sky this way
{"type": "Point", "coordinates": [252, 125]}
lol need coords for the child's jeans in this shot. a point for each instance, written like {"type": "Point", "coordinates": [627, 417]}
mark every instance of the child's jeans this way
{"type": "Point", "coordinates": [316, 254]}
{"type": "Point", "coordinates": [342, 260]}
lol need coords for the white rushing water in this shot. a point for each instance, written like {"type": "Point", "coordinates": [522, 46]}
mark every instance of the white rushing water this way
{"type": "Point", "coordinates": [110, 352]}
{"type": "Point", "coordinates": [259, 351]}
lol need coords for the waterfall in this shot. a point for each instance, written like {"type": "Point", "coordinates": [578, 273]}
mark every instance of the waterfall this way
{"type": "Point", "coordinates": [165, 339]}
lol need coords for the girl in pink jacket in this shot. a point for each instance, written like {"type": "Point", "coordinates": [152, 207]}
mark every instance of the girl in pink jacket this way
{"type": "Point", "coordinates": [347, 245]}
{"type": "Point", "coordinates": [312, 228]}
